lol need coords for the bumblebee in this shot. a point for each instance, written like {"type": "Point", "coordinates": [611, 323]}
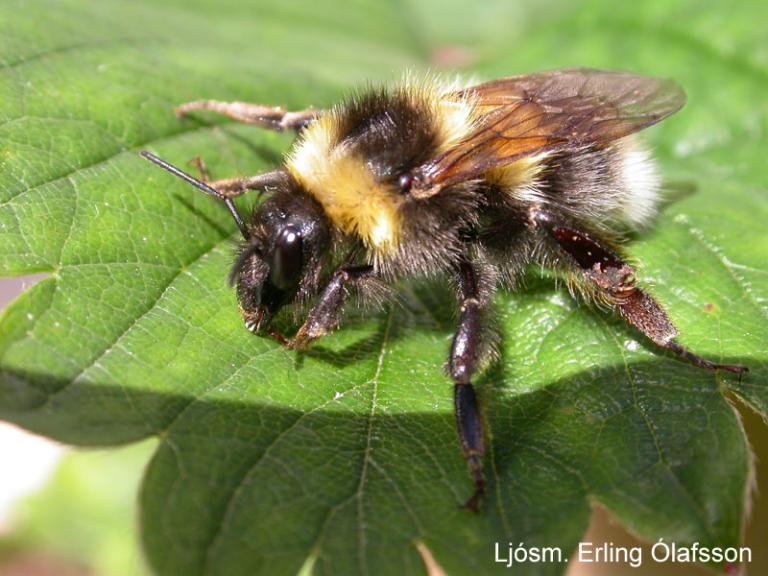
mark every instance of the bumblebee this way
{"type": "Point", "coordinates": [427, 178]}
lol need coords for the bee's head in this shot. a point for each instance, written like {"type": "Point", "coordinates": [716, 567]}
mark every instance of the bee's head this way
{"type": "Point", "coordinates": [282, 256]}
{"type": "Point", "coordinates": [283, 250]}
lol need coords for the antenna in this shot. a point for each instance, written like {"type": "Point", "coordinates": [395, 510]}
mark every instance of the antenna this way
{"type": "Point", "coordinates": [200, 186]}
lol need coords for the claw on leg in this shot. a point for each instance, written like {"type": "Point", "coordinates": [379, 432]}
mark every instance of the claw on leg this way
{"type": "Point", "coordinates": [280, 339]}
{"type": "Point", "coordinates": [476, 469]}
{"type": "Point", "coordinates": [325, 314]}
{"type": "Point", "coordinates": [682, 352]}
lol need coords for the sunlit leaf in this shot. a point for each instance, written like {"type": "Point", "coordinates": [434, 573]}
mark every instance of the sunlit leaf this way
{"type": "Point", "coordinates": [344, 460]}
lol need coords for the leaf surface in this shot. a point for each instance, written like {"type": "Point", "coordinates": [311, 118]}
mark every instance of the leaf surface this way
{"type": "Point", "coordinates": [345, 460]}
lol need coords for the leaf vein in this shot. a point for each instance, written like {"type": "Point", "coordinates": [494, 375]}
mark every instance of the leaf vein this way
{"type": "Point", "coordinates": [134, 323]}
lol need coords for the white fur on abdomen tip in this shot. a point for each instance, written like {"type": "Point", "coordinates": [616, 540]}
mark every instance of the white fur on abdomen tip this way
{"type": "Point", "coordinates": [641, 182]}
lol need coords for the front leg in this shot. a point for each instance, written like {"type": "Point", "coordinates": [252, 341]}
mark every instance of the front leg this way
{"type": "Point", "coordinates": [466, 355]}
{"type": "Point", "coordinates": [274, 118]}
{"type": "Point", "coordinates": [325, 314]}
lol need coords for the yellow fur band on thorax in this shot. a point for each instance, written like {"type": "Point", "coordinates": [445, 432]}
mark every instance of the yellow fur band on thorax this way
{"type": "Point", "coordinates": [342, 183]}
{"type": "Point", "coordinates": [346, 188]}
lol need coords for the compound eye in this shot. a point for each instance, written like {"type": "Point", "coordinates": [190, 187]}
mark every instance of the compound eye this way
{"type": "Point", "coordinates": [287, 260]}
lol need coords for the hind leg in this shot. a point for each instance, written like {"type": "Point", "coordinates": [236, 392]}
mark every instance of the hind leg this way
{"type": "Point", "coordinates": [614, 280]}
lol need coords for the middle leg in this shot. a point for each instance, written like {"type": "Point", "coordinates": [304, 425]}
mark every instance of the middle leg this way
{"type": "Point", "coordinates": [274, 118]}
{"type": "Point", "coordinates": [233, 187]}
{"type": "Point", "coordinates": [466, 356]}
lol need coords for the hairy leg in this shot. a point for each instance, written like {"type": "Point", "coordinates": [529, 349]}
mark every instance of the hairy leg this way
{"type": "Point", "coordinates": [463, 364]}
{"type": "Point", "coordinates": [603, 269]}
{"type": "Point", "coordinates": [233, 187]}
{"type": "Point", "coordinates": [274, 118]}
{"type": "Point", "coordinates": [325, 314]}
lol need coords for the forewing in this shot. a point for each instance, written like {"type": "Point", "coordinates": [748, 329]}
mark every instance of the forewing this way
{"type": "Point", "coordinates": [526, 115]}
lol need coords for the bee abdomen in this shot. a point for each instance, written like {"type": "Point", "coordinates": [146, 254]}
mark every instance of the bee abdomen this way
{"type": "Point", "coordinates": [614, 184]}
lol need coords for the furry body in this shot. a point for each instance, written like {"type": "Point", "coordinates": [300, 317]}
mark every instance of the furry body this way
{"type": "Point", "coordinates": [427, 178]}
{"type": "Point", "coordinates": [349, 162]}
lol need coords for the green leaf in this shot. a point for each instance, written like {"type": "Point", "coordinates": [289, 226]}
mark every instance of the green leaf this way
{"type": "Point", "coordinates": [344, 460]}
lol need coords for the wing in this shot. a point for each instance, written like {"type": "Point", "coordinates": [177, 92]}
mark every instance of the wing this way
{"type": "Point", "coordinates": [526, 115]}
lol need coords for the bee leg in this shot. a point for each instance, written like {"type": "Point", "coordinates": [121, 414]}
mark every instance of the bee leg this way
{"type": "Point", "coordinates": [324, 316]}
{"type": "Point", "coordinates": [203, 174]}
{"type": "Point", "coordinates": [605, 270]}
{"type": "Point", "coordinates": [274, 118]}
{"type": "Point", "coordinates": [466, 353]}
{"type": "Point", "coordinates": [233, 187]}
